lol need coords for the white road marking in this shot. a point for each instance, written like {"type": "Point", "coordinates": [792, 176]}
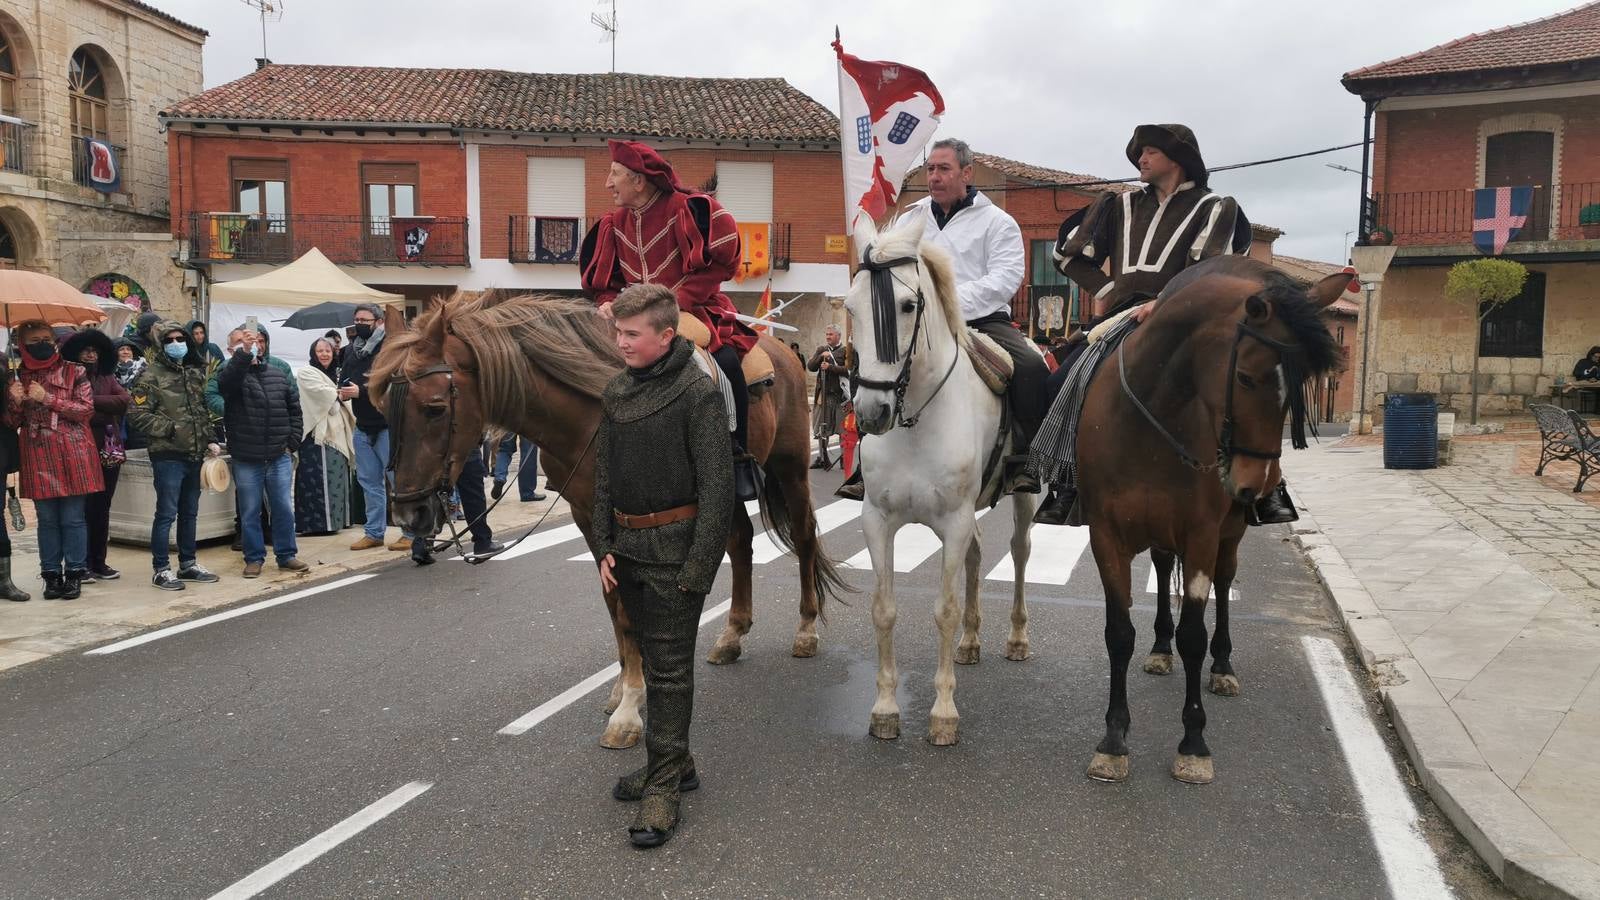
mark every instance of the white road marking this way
{"type": "Point", "coordinates": [295, 859]}
{"type": "Point", "coordinates": [1408, 862]}
{"type": "Point", "coordinates": [913, 544]}
{"type": "Point", "coordinates": [1056, 551]}
{"type": "Point", "coordinates": [1175, 591]}
{"type": "Point", "coordinates": [224, 616]}
{"type": "Point", "coordinates": [752, 508]}
{"type": "Point", "coordinates": [536, 542]}
{"type": "Point", "coordinates": [828, 518]}
{"type": "Point", "coordinates": [525, 723]}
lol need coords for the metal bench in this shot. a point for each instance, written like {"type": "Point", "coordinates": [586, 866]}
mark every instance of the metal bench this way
{"type": "Point", "coordinates": [1566, 435]}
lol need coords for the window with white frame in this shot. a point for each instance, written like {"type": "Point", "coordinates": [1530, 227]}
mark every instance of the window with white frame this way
{"type": "Point", "coordinates": [555, 209]}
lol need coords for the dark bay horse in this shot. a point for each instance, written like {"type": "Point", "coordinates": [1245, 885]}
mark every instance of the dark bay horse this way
{"type": "Point", "coordinates": [1181, 432]}
{"type": "Point", "coordinates": [537, 366]}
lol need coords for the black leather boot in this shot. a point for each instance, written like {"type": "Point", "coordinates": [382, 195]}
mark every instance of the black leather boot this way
{"type": "Point", "coordinates": [1018, 480]}
{"type": "Point", "coordinates": [8, 590]}
{"type": "Point", "coordinates": [72, 585]}
{"type": "Point", "coordinates": [746, 478]}
{"type": "Point", "coordinates": [52, 585]}
{"type": "Point", "coordinates": [1273, 508]}
{"type": "Point", "coordinates": [1057, 506]}
{"type": "Point", "coordinates": [853, 488]}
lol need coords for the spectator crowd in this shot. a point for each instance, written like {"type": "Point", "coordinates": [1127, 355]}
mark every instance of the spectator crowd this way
{"type": "Point", "coordinates": [303, 450]}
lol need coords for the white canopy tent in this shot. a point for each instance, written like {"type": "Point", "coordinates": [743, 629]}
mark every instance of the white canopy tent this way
{"type": "Point", "coordinates": [274, 296]}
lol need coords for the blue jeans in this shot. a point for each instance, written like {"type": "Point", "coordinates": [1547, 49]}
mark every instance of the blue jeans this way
{"type": "Point", "coordinates": [63, 535]}
{"type": "Point", "coordinates": [177, 499]}
{"type": "Point", "coordinates": [528, 475]}
{"type": "Point", "coordinates": [372, 459]}
{"type": "Point", "coordinates": [275, 480]}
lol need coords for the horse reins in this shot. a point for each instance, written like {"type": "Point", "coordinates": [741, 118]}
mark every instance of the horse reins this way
{"type": "Point", "coordinates": [886, 336]}
{"type": "Point", "coordinates": [1289, 355]}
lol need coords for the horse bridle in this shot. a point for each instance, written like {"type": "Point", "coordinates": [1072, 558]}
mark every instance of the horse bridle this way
{"type": "Point", "coordinates": [886, 336]}
{"type": "Point", "coordinates": [1291, 357]}
{"type": "Point", "coordinates": [395, 406]}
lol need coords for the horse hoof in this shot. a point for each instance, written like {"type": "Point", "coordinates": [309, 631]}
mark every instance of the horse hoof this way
{"type": "Point", "coordinates": [968, 656]}
{"type": "Point", "coordinates": [1108, 768]}
{"type": "Point", "coordinates": [723, 654]}
{"type": "Point", "coordinates": [1017, 651]}
{"type": "Point", "coordinates": [1193, 769]}
{"type": "Point", "coordinates": [1158, 664]}
{"type": "Point", "coordinates": [886, 726]}
{"type": "Point", "coordinates": [805, 646]}
{"type": "Point", "coordinates": [944, 732]}
{"type": "Point", "coordinates": [1224, 685]}
{"type": "Point", "coordinates": [620, 738]}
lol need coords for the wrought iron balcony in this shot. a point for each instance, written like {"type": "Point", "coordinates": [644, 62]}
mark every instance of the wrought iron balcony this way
{"type": "Point", "coordinates": [548, 240]}
{"type": "Point", "coordinates": [16, 146]}
{"type": "Point", "coordinates": [1559, 212]}
{"type": "Point", "coordinates": [348, 240]}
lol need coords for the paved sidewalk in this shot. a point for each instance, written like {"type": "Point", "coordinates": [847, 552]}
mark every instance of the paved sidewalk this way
{"type": "Point", "coordinates": [1473, 595]}
{"type": "Point", "coordinates": [39, 628]}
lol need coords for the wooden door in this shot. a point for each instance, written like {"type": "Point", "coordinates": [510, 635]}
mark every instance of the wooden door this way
{"type": "Point", "coordinates": [1519, 158]}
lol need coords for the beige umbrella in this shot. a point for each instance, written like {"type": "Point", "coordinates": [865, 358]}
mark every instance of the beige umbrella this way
{"type": "Point", "coordinates": [31, 295]}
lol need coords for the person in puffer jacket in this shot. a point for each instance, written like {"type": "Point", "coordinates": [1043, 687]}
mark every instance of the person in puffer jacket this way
{"type": "Point", "coordinates": [261, 413]}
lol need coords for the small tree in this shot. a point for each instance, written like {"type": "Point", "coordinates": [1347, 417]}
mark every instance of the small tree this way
{"type": "Point", "coordinates": [1486, 284]}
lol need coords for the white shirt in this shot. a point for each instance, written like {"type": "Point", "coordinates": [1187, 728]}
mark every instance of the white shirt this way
{"type": "Point", "coordinates": [985, 244]}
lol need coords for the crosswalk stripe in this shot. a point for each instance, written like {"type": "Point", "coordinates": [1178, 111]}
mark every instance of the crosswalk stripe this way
{"type": "Point", "coordinates": [751, 508]}
{"type": "Point", "coordinates": [1056, 551]}
{"type": "Point", "coordinates": [536, 542]}
{"type": "Point", "coordinates": [1177, 589]}
{"type": "Point", "coordinates": [828, 518]}
{"type": "Point", "coordinates": [912, 546]}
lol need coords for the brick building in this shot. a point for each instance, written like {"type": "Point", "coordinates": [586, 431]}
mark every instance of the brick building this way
{"type": "Point", "coordinates": [76, 69]}
{"type": "Point", "coordinates": [505, 171]}
{"type": "Point", "coordinates": [1518, 106]}
{"type": "Point", "coordinates": [1334, 396]}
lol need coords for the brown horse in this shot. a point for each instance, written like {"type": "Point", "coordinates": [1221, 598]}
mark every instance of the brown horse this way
{"type": "Point", "coordinates": [536, 366]}
{"type": "Point", "coordinates": [1181, 432]}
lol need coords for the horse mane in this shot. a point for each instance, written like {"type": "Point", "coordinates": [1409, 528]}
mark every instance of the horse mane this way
{"type": "Point", "coordinates": [510, 334]}
{"type": "Point", "coordinates": [1292, 305]}
{"type": "Point", "coordinates": [895, 242]}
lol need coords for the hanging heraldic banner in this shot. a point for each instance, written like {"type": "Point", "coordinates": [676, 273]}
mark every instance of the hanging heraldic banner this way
{"type": "Point", "coordinates": [103, 169]}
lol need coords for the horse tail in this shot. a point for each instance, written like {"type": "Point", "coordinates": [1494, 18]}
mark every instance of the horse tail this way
{"type": "Point", "coordinates": [778, 518]}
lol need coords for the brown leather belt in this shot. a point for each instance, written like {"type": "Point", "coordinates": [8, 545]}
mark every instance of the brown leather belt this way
{"type": "Point", "coordinates": [656, 519]}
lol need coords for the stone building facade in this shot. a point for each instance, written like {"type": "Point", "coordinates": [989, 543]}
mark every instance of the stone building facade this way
{"type": "Point", "coordinates": [1517, 107]}
{"type": "Point", "coordinates": [71, 69]}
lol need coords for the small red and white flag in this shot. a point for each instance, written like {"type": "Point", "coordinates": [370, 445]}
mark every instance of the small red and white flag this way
{"type": "Point", "coordinates": [764, 307]}
{"type": "Point", "coordinates": [887, 114]}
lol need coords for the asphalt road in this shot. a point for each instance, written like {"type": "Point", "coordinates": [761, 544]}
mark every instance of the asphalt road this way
{"type": "Point", "coordinates": [179, 767]}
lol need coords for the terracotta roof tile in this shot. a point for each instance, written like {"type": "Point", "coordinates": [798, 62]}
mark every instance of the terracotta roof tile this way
{"type": "Point", "coordinates": [1039, 174]}
{"type": "Point", "coordinates": [756, 109]}
{"type": "Point", "coordinates": [1571, 36]}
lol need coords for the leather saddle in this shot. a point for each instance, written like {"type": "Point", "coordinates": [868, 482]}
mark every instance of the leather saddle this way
{"type": "Point", "coordinates": [757, 365]}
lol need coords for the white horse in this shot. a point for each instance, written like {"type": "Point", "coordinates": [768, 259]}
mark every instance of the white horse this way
{"type": "Point", "coordinates": [934, 425]}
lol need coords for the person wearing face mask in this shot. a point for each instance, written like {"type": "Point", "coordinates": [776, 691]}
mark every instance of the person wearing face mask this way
{"type": "Point", "coordinates": [92, 350]}
{"type": "Point", "coordinates": [51, 402]}
{"type": "Point", "coordinates": [169, 405]}
{"type": "Point", "coordinates": [371, 438]}
{"type": "Point", "coordinates": [261, 406]}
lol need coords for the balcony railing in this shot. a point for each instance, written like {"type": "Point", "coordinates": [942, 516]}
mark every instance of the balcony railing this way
{"type": "Point", "coordinates": [82, 163]}
{"type": "Point", "coordinates": [16, 140]}
{"type": "Point", "coordinates": [548, 240]}
{"type": "Point", "coordinates": [1441, 218]}
{"type": "Point", "coordinates": [349, 240]}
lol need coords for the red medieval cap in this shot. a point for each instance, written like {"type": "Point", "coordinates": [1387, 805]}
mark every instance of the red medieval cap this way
{"type": "Point", "coordinates": [643, 158]}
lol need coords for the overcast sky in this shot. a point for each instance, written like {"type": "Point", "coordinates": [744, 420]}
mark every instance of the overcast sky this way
{"type": "Point", "coordinates": [1060, 84]}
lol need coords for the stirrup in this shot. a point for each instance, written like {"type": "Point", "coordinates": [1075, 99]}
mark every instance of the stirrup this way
{"type": "Point", "coordinates": [1275, 507]}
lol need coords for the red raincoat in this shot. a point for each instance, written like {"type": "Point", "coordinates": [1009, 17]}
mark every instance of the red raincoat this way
{"type": "Point", "coordinates": [59, 456]}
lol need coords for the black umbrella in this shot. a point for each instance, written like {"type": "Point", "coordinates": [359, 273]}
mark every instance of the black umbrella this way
{"type": "Point", "coordinates": [324, 315]}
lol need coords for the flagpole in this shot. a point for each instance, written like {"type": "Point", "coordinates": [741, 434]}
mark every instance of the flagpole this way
{"type": "Point", "coordinates": [844, 179]}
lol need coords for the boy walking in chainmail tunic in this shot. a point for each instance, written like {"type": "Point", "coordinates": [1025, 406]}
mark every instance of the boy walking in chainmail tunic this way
{"type": "Point", "coordinates": [663, 507]}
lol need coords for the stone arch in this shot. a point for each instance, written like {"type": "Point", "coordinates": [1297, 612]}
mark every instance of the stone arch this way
{"type": "Point", "coordinates": [1527, 121]}
{"type": "Point", "coordinates": [24, 236]}
{"type": "Point", "coordinates": [116, 89]}
{"type": "Point", "coordinates": [25, 66]}
{"type": "Point", "coordinates": [119, 287]}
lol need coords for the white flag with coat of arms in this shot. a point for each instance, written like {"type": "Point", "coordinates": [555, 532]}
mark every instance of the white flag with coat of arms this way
{"type": "Point", "coordinates": [887, 114]}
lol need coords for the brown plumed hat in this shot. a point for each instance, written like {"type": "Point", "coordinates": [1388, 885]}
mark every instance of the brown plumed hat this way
{"type": "Point", "coordinates": [1177, 142]}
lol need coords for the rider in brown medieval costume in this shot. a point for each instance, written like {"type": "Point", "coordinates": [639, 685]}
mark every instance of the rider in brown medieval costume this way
{"type": "Point", "coordinates": [1148, 236]}
{"type": "Point", "coordinates": [664, 233]}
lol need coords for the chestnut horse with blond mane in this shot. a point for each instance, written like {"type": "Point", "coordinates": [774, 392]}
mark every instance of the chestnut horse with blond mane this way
{"type": "Point", "coordinates": [536, 366]}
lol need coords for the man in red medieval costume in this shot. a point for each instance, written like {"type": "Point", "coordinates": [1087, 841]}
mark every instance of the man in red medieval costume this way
{"type": "Point", "coordinates": [664, 233]}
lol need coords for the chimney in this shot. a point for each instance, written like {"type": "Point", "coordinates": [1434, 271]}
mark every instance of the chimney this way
{"type": "Point", "coordinates": [262, 62]}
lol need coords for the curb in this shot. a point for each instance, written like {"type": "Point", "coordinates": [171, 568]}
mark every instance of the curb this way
{"type": "Point", "coordinates": [1525, 853]}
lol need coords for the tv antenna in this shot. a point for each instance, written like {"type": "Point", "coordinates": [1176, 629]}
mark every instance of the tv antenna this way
{"type": "Point", "coordinates": [606, 23]}
{"type": "Point", "coordinates": [270, 10]}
